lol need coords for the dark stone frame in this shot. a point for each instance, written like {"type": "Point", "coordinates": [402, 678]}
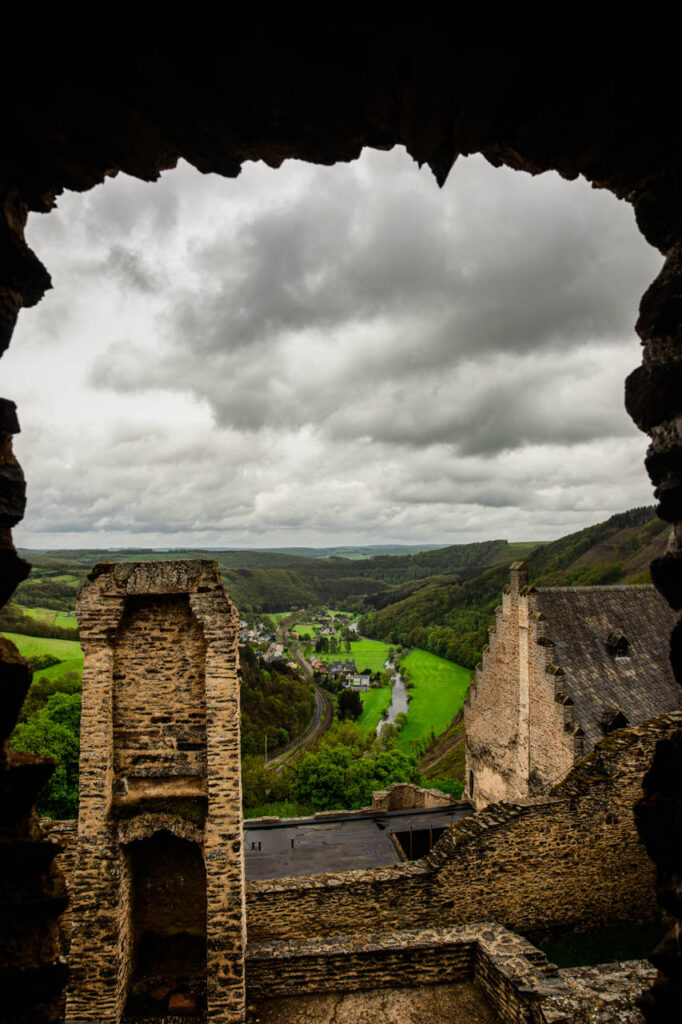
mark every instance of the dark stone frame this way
{"type": "Point", "coordinates": [601, 105]}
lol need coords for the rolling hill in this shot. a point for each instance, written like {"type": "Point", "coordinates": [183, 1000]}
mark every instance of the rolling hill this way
{"type": "Point", "coordinates": [450, 617]}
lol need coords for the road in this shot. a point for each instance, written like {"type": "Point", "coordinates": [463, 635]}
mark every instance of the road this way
{"type": "Point", "coordinates": [320, 722]}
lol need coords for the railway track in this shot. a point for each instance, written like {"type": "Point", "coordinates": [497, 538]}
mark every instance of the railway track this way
{"type": "Point", "coordinates": [320, 722]}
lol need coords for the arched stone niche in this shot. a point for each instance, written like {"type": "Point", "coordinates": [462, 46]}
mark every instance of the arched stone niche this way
{"type": "Point", "coordinates": [601, 104]}
{"type": "Point", "coordinates": [166, 919]}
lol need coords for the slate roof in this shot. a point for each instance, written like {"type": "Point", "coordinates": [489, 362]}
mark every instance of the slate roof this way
{"type": "Point", "coordinates": [580, 620]}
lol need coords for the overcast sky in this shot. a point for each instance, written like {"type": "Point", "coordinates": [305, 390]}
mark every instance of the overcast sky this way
{"type": "Point", "coordinates": [316, 355]}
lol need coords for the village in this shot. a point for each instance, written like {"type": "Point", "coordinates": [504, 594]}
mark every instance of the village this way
{"type": "Point", "coordinates": [321, 632]}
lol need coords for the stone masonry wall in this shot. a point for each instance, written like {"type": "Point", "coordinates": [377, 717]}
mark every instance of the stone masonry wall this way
{"type": "Point", "coordinates": [402, 796]}
{"type": "Point", "coordinates": [520, 732]}
{"type": "Point", "coordinates": [159, 754]}
{"type": "Point", "coordinates": [572, 859]}
{"type": "Point", "coordinates": [161, 642]}
{"type": "Point", "coordinates": [64, 836]}
{"type": "Point", "coordinates": [517, 978]}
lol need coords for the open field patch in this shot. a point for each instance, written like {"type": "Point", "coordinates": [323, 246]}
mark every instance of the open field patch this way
{"type": "Point", "coordinates": [371, 654]}
{"type": "Point", "coordinates": [276, 616]}
{"type": "Point", "coordinates": [34, 646]}
{"type": "Point", "coordinates": [311, 628]}
{"type": "Point", "coordinates": [50, 617]}
{"type": "Point", "coordinates": [57, 671]}
{"type": "Point", "coordinates": [439, 690]}
{"type": "Point", "coordinates": [374, 703]}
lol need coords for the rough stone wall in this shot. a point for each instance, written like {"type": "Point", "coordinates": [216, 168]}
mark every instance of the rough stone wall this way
{"type": "Point", "coordinates": [403, 796]}
{"type": "Point", "coordinates": [518, 982]}
{"type": "Point", "coordinates": [555, 739]}
{"type": "Point", "coordinates": [345, 963]}
{"type": "Point", "coordinates": [159, 754]}
{"type": "Point", "coordinates": [64, 837]}
{"type": "Point", "coordinates": [516, 978]}
{"type": "Point", "coordinates": [520, 732]}
{"type": "Point", "coordinates": [493, 716]}
{"type": "Point", "coordinates": [32, 889]}
{"type": "Point", "coordinates": [159, 697]}
{"type": "Point", "coordinates": [603, 994]}
{"type": "Point", "coordinates": [560, 695]}
{"type": "Point", "coordinates": [569, 860]}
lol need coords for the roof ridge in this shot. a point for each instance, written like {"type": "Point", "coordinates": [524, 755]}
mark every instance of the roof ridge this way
{"type": "Point", "coordinates": [600, 587]}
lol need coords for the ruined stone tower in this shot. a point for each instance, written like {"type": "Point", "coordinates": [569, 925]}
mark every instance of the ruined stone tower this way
{"type": "Point", "coordinates": [158, 897]}
{"type": "Point", "coordinates": [564, 667]}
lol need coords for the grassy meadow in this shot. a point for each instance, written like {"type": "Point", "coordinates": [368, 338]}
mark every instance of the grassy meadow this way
{"type": "Point", "coordinates": [365, 653]}
{"type": "Point", "coordinates": [50, 617]}
{"type": "Point", "coordinates": [311, 628]}
{"type": "Point", "coordinates": [374, 703]}
{"type": "Point", "coordinates": [34, 646]}
{"type": "Point", "coordinates": [276, 616]}
{"type": "Point", "coordinates": [439, 690]}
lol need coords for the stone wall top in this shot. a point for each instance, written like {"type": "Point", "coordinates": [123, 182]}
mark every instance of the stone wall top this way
{"type": "Point", "coordinates": [174, 576]}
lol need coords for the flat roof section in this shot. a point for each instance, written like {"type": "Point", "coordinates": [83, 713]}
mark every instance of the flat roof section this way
{"type": "Point", "coordinates": [311, 846]}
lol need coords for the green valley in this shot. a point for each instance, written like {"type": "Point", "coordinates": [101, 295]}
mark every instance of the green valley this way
{"type": "Point", "coordinates": [432, 605]}
{"type": "Point", "coordinates": [438, 691]}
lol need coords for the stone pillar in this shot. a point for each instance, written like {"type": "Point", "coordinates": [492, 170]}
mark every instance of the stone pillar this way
{"type": "Point", "coordinates": [159, 758]}
{"type": "Point", "coordinates": [496, 713]}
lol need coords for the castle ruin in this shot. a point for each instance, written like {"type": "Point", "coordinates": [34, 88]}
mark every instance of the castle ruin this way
{"type": "Point", "coordinates": [564, 667]}
{"type": "Point", "coordinates": [76, 113]}
{"type": "Point", "coordinates": [158, 923]}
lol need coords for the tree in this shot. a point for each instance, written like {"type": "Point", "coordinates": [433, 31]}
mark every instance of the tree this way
{"type": "Point", "coordinates": [452, 786]}
{"type": "Point", "coordinates": [336, 777]}
{"type": "Point", "coordinates": [350, 705]}
{"type": "Point", "coordinates": [43, 687]}
{"type": "Point", "coordinates": [55, 731]}
{"type": "Point", "coordinates": [262, 785]}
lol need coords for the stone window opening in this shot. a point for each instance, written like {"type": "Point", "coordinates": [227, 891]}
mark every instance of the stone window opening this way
{"type": "Point", "coordinates": [613, 719]}
{"type": "Point", "coordinates": [167, 928]}
{"type": "Point", "coordinates": [618, 646]}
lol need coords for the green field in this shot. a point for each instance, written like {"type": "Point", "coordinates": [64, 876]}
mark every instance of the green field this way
{"type": "Point", "coordinates": [440, 688]}
{"type": "Point", "coordinates": [57, 671]}
{"type": "Point", "coordinates": [276, 616]}
{"type": "Point", "coordinates": [374, 703]}
{"type": "Point", "coordinates": [451, 764]}
{"type": "Point", "coordinates": [33, 646]}
{"type": "Point", "coordinates": [68, 578]}
{"type": "Point", "coordinates": [365, 653]}
{"type": "Point", "coordinates": [50, 617]}
{"type": "Point", "coordinates": [306, 627]}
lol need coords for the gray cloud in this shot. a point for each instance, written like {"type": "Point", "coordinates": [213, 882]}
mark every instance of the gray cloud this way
{"type": "Point", "coordinates": [323, 354]}
{"type": "Point", "coordinates": [410, 286]}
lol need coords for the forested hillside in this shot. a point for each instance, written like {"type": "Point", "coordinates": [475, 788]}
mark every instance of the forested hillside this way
{"type": "Point", "coordinates": [437, 599]}
{"type": "Point", "coordinates": [275, 701]}
{"type": "Point", "coordinates": [451, 617]}
{"type": "Point", "coordinates": [270, 581]}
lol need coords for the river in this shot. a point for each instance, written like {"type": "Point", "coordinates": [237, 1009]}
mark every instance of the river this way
{"type": "Point", "coordinates": [399, 702]}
